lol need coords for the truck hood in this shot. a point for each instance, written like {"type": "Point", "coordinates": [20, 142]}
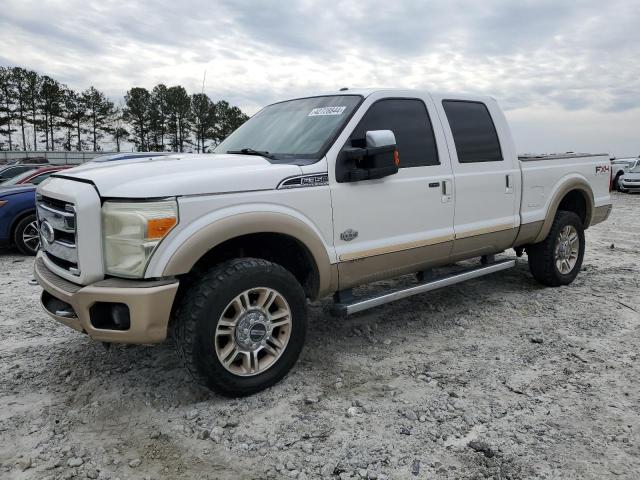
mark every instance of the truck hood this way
{"type": "Point", "coordinates": [182, 174]}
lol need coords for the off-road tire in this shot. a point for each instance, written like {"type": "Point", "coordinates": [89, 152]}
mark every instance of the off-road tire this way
{"type": "Point", "coordinates": [18, 233]}
{"type": "Point", "coordinates": [199, 311]}
{"type": "Point", "coordinates": [542, 264]}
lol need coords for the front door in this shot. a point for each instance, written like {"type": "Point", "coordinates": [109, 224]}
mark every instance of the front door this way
{"type": "Point", "coordinates": [403, 222]}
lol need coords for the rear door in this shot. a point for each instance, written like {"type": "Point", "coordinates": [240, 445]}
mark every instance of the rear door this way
{"type": "Point", "coordinates": [486, 175]}
{"type": "Point", "coordinates": [397, 223]}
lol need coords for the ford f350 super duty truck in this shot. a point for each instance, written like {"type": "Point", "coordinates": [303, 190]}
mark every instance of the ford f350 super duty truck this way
{"type": "Point", "coordinates": [309, 198]}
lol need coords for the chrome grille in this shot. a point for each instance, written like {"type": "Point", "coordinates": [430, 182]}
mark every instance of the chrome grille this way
{"type": "Point", "coordinates": [58, 239]}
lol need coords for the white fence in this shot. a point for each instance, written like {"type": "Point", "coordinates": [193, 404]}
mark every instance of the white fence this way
{"type": "Point", "coordinates": [55, 158]}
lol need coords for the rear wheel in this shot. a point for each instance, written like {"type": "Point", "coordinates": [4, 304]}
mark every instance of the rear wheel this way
{"type": "Point", "coordinates": [240, 328]}
{"type": "Point", "coordinates": [557, 260]}
{"type": "Point", "coordinates": [26, 236]}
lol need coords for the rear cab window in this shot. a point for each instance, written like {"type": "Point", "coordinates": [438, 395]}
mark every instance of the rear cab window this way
{"type": "Point", "coordinates": [473, 130]}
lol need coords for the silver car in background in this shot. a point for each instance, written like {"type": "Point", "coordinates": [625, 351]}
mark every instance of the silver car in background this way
{"type": "Point", "coordinates": [630, 180]}
{"type": "Point", "coordinates": [620, 166]}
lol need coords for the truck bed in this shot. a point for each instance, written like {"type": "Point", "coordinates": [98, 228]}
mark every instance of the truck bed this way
{"type": "Point", "coordinates": [543, 175]}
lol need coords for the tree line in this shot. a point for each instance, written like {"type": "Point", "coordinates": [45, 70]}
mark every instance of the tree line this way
{"type": "Point", "coordinates": [39, 113]}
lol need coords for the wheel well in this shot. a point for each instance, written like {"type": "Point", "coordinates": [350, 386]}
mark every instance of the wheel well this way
{"type": "Point", "coordinates": [575, 202]}
{"type": "Point", "coordinates": [15, 223]}
{"type": "Point", "coordinates": [279, 248]}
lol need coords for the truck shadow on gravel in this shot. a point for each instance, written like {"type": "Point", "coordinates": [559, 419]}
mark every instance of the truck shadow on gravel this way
{"type": "Point", "coordinates": [155, 374]}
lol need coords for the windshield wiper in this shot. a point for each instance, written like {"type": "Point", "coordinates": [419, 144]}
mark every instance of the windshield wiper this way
{"type": "Point", "coordinates": [251, 151]}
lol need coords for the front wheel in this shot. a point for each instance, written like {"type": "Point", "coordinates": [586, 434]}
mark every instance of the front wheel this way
{"type": "Point", "coordinates": [557, 260]}
{"type": "Point", "coordinates": [241, 326]}
{"type": "Point", "coordinates": [26, 236]}
{"type": "Point", "coordinates": [616, 183]}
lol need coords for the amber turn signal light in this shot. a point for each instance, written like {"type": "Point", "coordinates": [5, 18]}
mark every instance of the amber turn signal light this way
{"type": "Point", "coordinates": [159, 227]}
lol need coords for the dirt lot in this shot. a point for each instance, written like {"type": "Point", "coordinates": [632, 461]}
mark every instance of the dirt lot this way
{"type": "Point", "coordinates": [495, 378]}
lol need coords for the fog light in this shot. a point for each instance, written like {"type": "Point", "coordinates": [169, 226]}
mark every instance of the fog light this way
{"type": "Point", "coordinates": [110, 316]}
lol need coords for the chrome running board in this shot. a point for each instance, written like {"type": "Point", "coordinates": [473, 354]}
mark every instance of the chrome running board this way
{"type": "Point", "coordinates": [356, 305]}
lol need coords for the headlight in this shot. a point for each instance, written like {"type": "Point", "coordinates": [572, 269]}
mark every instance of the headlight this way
{"type": "Point", "coordinates": [132, 231]}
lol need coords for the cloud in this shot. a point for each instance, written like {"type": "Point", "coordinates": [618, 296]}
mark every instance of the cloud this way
{"type": "Point", "coordinates": [573, 57]}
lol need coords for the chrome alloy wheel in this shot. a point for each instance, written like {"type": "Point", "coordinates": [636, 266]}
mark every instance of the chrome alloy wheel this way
{"type": "Point", "coordinates": [567, 249]}
{"type": "Point", "coordinates": [253, 331]}
{"type": "Point", "coordinates": [31, 236]}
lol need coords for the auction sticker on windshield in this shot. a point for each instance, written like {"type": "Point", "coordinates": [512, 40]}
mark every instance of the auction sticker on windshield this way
{"type": "Point", "coordinates": [316, 112]}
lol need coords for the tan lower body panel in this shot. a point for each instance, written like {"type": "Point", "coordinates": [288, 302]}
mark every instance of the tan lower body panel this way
{"type": "Point", "coordinates": [149, 306]}
{"type": "Point", "coordinates": [600, 214]}
{"type": "Point", "coordinates": [483, 244]}
{"type": "Point", "coordinates": [389, 265]}
{"type": "Point", "coordinates": [396, 263]}
{"type": "Point", "coordinates": [528, 233]}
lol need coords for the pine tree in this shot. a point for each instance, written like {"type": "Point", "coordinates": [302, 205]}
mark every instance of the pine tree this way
{"type": "Point", "coordinates": [203, 119]}
{"type": "Point", "coordinates": [137, 111]}
{"type": "Point", "coordinates": [229, 119]}
{"type": "Point", "coordinates": [99, 110]}
{"type": "Point", "coordinates": [117, 127]}
{"type": "Point", "coordinates": [75, 116]}
{"type": "Point", "coordinates": [158, 117]}
{"type": "Point", "coordinates": [33, 84]}
{"type": "Point", "coordinates": [7, 93]}
{"type": "Point", "coordinates": [19, 79]}
{"type": "Point", "coordinates": [179, 106]}
{"type": "Point", "coordinates": [52, 102]}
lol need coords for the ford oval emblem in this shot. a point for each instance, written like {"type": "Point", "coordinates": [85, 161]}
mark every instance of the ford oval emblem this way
{"type": "Point", "coordinates": [47, 232]}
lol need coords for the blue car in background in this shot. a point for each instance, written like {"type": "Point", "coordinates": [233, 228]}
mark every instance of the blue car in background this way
{"type": "Point", "coordinates": [18, 224]}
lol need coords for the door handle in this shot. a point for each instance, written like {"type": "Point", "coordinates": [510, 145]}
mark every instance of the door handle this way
{"type": "Point", "coordinates": [508, 183]}
{"type": "Point", "coordinates": [446, 191]}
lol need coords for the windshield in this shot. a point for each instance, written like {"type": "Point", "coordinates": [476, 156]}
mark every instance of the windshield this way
{"type": "Point", "coordinates": [17, 179]}
{"type": "Point", "coordinates": [300, 128]}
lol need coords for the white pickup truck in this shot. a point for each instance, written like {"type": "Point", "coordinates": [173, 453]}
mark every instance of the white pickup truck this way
{"type": "Point", "coordinates": [309, 198]}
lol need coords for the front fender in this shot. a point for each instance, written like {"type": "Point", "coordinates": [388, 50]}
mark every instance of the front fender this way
{"type": "Point", "coordinates": [179, 252]}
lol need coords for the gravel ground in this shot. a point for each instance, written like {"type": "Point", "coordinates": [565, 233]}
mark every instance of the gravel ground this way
{"type": "Point", "coordinates": [495, 378]}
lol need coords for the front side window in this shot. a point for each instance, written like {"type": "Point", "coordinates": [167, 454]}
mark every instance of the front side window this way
{"type": "Point", "coordinates": [473, 131]}
{"type": "Point", "coordinates": [296, 129]}
{"type": "Point", "coordinates": [409, 120]}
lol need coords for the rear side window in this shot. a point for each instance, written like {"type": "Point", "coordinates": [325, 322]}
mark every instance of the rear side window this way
{"type": "Point", "coordinates": [473, 131]}
{"type": "Point", "coordinates": [409, 121]}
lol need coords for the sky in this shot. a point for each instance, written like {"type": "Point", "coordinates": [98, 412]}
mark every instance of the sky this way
{"type": "Point", "coordinates": [566, 72]}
